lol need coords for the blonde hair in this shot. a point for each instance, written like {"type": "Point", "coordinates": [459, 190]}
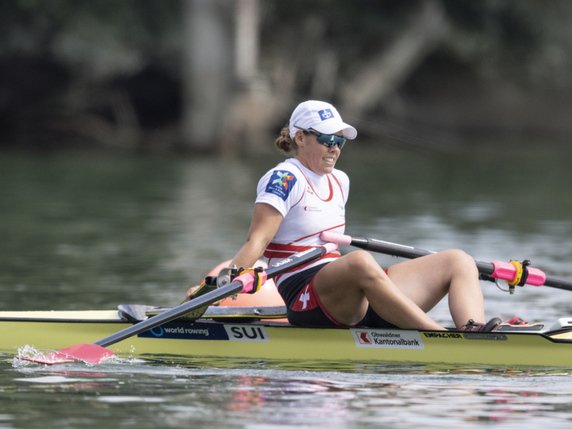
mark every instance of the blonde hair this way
{"type": "Point", "coordinates": [284, 143]}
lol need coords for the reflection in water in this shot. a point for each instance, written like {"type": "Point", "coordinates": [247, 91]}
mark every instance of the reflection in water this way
{"type": "Point", "coordinates": [212, 205]}
{"type": "Point", "coordinates": [92, 232]}
{"type": "Point", "coordinates": [380, 396]}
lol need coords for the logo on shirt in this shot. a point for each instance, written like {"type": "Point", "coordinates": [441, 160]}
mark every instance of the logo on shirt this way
{"type": "Point", "coordinates": [325, 114]}
{"type": "Point", "coordinates": [281, 183]}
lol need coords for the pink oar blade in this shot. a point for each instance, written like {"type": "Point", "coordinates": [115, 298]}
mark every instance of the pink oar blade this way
{"type": "Point", "coordinates": [92, 354]}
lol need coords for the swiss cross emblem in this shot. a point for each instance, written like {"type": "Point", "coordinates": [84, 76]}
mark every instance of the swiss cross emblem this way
{"type": "Point", "coordinates": [305, 300]}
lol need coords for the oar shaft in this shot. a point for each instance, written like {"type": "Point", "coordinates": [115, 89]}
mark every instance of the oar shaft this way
{"type": "Point", "coordinates": [409, 252]}
{"type": "Point", "coordinates": [393, 249]}
{"type": "Point", "coordinates": [497, 269]}
{"type": "Point", "coordinates": [558, 283]}
{"type": "Point", "coordinates": [172, 314]}
{"type": "Point", "coordinates": [209, 298]}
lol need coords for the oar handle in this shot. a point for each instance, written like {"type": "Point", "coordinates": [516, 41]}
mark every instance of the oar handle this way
{"type": "Point", "coordinates": [498, 269]}
{"type": "Point", "coordinates": [241, 283]}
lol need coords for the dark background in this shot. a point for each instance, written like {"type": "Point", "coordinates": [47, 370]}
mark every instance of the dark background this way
{"type": "Point", "coordinates": [223, 75]}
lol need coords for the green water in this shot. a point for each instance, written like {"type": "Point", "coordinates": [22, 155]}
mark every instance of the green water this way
{"type": "Point", "coordinates": [84, 231]}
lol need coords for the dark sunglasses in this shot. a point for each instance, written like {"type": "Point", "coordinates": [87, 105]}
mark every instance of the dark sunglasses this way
{"type": "Point", "coordinates": [329, 140]}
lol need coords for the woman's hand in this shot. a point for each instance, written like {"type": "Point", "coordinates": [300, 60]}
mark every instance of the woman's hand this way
{"type": "Point", "coordinates": [191, 292]}
{"type": "Point", "coordinates": [208, 284]}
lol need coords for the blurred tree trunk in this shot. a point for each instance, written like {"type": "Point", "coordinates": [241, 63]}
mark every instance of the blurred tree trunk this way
{"type": "Point", "coordinates": [256, 101]}
{"type": "Point", "coordinates": [391, 66]}
{"type": "Point", "coordinates": [207, 70]}
{"type": "Point", "coordinates": [246, 40]}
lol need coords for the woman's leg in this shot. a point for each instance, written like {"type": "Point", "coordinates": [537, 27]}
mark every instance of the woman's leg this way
{"type": "Point", "coordinates": [346, 286]}
{"type": "Point", "coordinates": [428, 279]}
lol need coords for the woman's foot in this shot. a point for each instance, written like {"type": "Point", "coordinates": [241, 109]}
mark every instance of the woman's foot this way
{"type": "Point", "coordinates": [472, 326]}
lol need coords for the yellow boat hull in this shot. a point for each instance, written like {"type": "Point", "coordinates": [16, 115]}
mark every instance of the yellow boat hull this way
{"type": "Point", "coordinates": [280, 341]}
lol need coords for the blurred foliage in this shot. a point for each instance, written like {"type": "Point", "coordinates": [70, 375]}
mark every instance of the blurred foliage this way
{"type": "Point", "coordinates": [102, 36]}
{"type": "Point", "coordinates": [522, 39]}
{"type": "Point", "coordinates": [61, 59]}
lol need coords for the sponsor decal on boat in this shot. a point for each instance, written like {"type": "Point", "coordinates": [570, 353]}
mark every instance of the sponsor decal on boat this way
{"type": "Point", "coordinates": [246, 333]}
{"type": "Point", "coordinates": [443, 335]}
{"type": "Point", "coordinates": [206, 331]}
{"type": "Point", "coordinates": [494, 336]}
{"type": "Point", "coordinates": [382, 338]}
{"type": "Point", "coordinates": [187, 331]}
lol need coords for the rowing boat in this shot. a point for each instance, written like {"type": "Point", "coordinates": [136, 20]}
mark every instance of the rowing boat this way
{"type": "Point", "coordinates": [260, 334]}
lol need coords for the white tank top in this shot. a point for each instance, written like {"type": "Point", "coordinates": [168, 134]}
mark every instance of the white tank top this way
{"type": "Point", "coordinates": [310, 204]}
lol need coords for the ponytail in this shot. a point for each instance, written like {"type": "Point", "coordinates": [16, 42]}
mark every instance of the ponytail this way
{"type": "Point", "coordinates": [284, 142]}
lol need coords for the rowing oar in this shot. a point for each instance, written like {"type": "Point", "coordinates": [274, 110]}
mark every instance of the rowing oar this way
{"type": "Point", "coordinates": [515, 273]}
{"type": "Point", "coordinates": [95, 353]}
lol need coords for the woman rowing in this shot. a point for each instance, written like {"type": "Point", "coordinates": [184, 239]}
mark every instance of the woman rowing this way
{"type": "Point", "coordinates": [305, 195]}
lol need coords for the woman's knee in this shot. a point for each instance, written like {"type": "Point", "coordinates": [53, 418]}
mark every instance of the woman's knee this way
{"type": "Point", "coordinates": [363, 266]}
{"type": "Point", "coordinates": [460, 261]}
{"type": "Point", "coordinates": [358, 259]}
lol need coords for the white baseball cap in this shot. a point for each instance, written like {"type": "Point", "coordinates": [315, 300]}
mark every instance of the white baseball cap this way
{"type": "Point", "coordinates": [319, 116]}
